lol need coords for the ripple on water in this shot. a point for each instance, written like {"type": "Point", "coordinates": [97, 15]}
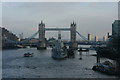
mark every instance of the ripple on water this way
{"type": "Point", "coordinates": [43, 66]}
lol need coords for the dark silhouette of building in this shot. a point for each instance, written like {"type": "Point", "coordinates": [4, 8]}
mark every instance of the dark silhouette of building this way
{"type": "Point", "coordinates": [7, 37]}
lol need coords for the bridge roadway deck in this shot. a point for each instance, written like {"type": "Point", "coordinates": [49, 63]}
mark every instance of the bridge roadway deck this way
{"type": "Point", "coordinates": [57, 29]}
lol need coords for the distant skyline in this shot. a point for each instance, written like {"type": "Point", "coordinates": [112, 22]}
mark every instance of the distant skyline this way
{"type": "Point", "coordinates": [91, 17]}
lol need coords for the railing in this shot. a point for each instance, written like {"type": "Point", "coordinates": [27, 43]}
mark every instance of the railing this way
{"type": "Point", "coordinates": [57, 29]}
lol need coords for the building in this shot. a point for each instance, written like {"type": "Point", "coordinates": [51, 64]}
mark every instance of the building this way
{"type": "Point", "coordinates": [6, 34]}
{"type": "Point", "coordinates": [89, 37]}
{"type": "Point", "coordinates": [116, 34]}
{"type": "Point", "coordinates": [108, 35]}
{"type": "Point", "coordinates": [116, 39]}
{"type": "Point", "coordinates": [104, 38]}
{"type": "Point", "coordinates": [96, 38]}
{"type": "Point", "coordinates": [8, 38]}
{"type": "Point", "coordinates": [21, 36]}
{"type": "Point", "coordinates": [116, 28]}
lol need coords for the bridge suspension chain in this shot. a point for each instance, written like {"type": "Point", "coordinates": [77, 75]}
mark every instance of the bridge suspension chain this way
{"type": "Point", "coordinates": [29, 38]}
{"type": "Point", "coordinates": [84, 38]}
{"type": "Point", "coordinates": [17, 42]}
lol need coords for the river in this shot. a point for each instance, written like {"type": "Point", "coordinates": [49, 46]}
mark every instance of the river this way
{"type": "Point", "coordinates": [41, 65]}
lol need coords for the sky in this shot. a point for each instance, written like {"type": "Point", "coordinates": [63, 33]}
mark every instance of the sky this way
{"type": "Point", "coordinates": [91, 17]}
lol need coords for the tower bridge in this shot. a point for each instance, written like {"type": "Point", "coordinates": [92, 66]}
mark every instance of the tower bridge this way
{"type": "Point", "coordinates": [42, 42]}
{"type": "Point", "coordinates": [72, 30]}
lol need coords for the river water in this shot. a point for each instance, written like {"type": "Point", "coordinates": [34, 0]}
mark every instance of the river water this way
{"type": "Point", "coordinates": [41, 65]}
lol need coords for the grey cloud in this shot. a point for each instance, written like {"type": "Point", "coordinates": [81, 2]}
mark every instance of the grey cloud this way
{"type": "Point", "coordinates": [90, 17]}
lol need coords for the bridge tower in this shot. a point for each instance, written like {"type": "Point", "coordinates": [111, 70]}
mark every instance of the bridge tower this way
{"type": "Point", "coordinates": [73, 35]}
{"type": "Point", "coordinates": [42, 41]}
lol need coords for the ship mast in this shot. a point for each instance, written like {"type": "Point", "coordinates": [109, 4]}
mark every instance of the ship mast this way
{"type": "Point", "coordinates": [59, 35]}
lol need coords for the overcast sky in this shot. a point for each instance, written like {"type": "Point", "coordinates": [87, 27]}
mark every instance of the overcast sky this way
{"type": "Point", "coordinates": [91, 17]}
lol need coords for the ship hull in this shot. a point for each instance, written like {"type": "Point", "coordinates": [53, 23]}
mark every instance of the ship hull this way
{"type": "Point", "coordinates": [59, 54]}
{"type": "Point", "coordinates": [41, 48]}
{"type": "Point", "coordinates": [101, 68]}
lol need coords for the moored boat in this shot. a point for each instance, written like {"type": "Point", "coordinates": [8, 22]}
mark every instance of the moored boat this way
{"type": "Point", "coordinates": [105, 68]}
{"type": "Point", "coordinates": [28, 54]}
